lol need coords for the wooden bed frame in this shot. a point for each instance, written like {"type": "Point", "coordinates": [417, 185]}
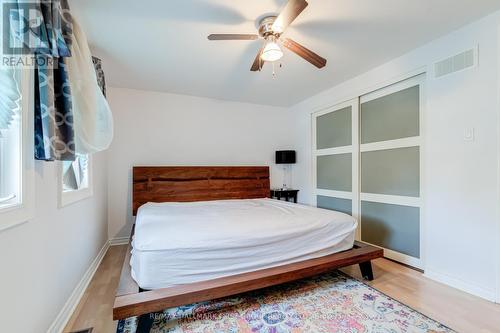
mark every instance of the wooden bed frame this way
{"type": "Point", "coordinates": [188, 184]}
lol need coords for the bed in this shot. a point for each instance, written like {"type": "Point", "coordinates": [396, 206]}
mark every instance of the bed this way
{"type": "Point", "coordinates": [203, 233]}
{"type": "Point", "coordinates": [179, 243]}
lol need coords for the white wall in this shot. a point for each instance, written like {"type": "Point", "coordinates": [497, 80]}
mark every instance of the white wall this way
{"type": "Point", "coordinates": [42, 261]}
{"type": "Point", "coordinates": [461, 181]}
{"type": "Point", "coordinates": [154, 128]}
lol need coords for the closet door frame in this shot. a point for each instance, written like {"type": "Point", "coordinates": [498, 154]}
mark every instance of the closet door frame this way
{"type": "Point", "coordinates": [353, 149]}
{"type": "Point", "coordinates": [417, 78]}
{"type": "Point", "coordinates": [416, 141]}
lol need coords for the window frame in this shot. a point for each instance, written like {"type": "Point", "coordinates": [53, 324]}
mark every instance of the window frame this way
{"type": "Point", "coordinates": [67, 198]}
{"type": "Point", "coordinates": [24, 211]}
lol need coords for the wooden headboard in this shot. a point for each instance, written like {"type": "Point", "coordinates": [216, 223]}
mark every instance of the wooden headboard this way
{"type": "Point", "coordinates": [186, 184]}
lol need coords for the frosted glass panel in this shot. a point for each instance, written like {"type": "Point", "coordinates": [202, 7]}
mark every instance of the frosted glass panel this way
{"type": "Point", "coordinates": [391, 172]}
{"type": "Point", "coordinates": [337, 204]}
{"type": "Point", "coordinates": [334, 129]}
{"type": "Point", "coordinates": [391, 117]}
{"type": "Point", "coordinates": [393, 227]}
{"type": "Point", "coordinates": [334, 172]}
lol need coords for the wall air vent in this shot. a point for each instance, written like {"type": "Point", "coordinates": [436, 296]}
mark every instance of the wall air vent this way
{"type": "Point", "coordinates": [457, 63]}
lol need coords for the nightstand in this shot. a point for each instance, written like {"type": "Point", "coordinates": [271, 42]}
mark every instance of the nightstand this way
{"type": "Point", "coordinates": [285, 194]}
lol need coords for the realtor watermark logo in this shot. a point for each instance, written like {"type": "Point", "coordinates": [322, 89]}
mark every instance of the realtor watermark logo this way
{"type": "Point", "coordinates": [25, 40]}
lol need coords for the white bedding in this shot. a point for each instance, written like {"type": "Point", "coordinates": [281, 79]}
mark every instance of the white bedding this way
{"type": "Point", "coordinates": [179, 243]}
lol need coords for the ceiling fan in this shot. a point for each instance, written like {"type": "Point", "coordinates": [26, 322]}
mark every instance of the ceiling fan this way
{"type": "Point", "coordinates": [270, 29]}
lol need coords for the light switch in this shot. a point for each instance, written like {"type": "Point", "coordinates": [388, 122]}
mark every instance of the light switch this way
{"type": "Point", "coordinates": [469, 134]}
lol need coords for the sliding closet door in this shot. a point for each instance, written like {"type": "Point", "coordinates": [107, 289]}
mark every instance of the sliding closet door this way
{"type": "Point", "coordinates": [336, 158]}
{"type": "Point", "coordinates": [390, 170]}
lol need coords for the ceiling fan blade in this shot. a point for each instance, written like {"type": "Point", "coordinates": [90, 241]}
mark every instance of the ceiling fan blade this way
{"type": "Point", "coordinates": [292, 9]}
{"type": "Point", "coordinates": [258, 63]}
{"type": "Point", "coordinates": [305, 53]}
{"type": "Point", "coordinates": [233, 37]}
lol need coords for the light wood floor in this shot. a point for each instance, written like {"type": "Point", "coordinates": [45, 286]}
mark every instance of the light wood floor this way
{"type": "Point", "coordinates": [458, 310]}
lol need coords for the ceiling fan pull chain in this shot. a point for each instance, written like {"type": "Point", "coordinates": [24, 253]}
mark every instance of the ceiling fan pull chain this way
{"type": "Point", "coordinates": [274, 73]}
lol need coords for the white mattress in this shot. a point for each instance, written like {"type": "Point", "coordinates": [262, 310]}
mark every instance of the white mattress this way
{"type": "Point", "coordinates": [179, 243]}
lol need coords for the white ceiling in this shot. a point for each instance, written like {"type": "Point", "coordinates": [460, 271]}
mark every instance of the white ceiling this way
{"type": "Point", "coordinates": [161, 45]}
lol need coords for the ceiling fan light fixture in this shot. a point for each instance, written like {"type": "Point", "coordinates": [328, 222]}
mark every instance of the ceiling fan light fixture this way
{"type": "Point", "coordinates": [272, 51]}
{"type": "Point", "coordinates": [271, 28]}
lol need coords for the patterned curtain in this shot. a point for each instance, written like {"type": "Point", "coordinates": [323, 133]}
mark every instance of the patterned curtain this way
{"type": "Point", "coordinates": [99, 72]}
{"type": "Point", "coordinates": [54, 134]}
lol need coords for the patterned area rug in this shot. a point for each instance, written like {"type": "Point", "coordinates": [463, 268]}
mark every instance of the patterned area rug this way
{"type": "Point", "coordinates": [328, 303]}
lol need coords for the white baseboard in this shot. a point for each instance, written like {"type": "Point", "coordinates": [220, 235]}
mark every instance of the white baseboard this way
{"type": "Point", "coordinates": [461, 285]}
{"type": "Point", "coordinates": [119, 241]}
{"type": "Point", "coordinates": [70, 305]}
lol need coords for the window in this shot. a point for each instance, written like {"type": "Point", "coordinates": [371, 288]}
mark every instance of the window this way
{"type": "Point", "coordinates": [75, 180]}
{"type": "Point", "coordinates": [10, 140]}
{"type": "Point", "coordinates": [16, 150]}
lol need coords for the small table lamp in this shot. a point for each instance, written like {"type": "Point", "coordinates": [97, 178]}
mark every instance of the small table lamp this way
{"type": "Point", "coordinates": [285, 157]}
